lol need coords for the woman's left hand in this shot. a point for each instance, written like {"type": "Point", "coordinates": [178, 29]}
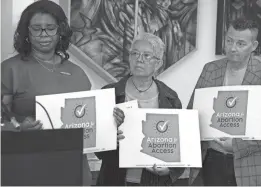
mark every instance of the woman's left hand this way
{"type": "Point", "coordinates": [118, 115]}
{"type": "Point", "coordinates": [160, 171]}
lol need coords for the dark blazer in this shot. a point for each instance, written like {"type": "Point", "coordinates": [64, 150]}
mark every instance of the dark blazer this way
{"type": "Point", "coordinates": [213, 75]}
{"type": "Point", "coordinates": [110, 173]}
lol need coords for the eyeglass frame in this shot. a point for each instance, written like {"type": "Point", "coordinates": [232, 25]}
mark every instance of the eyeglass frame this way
{"type": "Point", "coordinates": [30, 27]}
{"type": "Point", "coordinates": [232, 42]}
{"type": "Point", "coordinates": [142, 56]}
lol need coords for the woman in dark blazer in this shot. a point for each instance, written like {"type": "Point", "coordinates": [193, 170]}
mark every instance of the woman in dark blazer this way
{"type": "Point", "coordinates": [145, 60]}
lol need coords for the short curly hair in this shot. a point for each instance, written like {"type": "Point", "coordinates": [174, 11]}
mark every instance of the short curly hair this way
{"type": "Point", "coordinates": [243, 23]}
{"type": "Point", "coordinates": [21, 43]}
{"type": "Point", "coordinates": [156, 42]}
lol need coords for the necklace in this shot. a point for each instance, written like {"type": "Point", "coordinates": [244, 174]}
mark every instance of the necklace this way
{"type": "Point", "coordinates": [141, 91]}
{"type": "Point", "coordinates": [51, 70]}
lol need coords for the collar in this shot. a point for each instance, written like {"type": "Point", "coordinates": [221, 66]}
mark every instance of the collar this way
{"type": "Point", "coordinates": [162, 88]}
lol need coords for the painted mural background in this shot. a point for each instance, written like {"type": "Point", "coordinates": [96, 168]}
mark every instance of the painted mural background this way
{"type": "Point", "coordinates": [104, 29]}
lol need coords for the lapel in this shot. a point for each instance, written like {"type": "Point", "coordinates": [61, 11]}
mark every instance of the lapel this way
{"type": "Point", "coordinates": [164, 96]}
{"type": "Point", "coordinates": [218, 74]}
{"type": "Point", "coordinates": [120, 90]}
{"type": "Point", "coordinates": [252, 75]}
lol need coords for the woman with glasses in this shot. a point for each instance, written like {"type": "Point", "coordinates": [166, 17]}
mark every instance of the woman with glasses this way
{"type": "Point", "coordinates": [41, 66]}
{"type": "Point", "coordinates": [145, 58]}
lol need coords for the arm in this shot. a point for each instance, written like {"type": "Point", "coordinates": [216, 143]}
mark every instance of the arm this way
{"type": "Point", "coordinates": [226, 143]}
{"type": "Point", "coordinates": [244, 148]}
{"type": "Point", "coordinates": [8, 92]}
{"type": "Point", "coordinates": [6, 97]}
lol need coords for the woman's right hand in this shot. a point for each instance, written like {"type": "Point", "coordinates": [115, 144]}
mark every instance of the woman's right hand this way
{"type": "Point", "coordinates": [30, 124]}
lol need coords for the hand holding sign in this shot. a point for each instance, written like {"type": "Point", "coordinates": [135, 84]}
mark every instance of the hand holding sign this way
{"type": "Point", "coordinates": [120, 135]}
{"type": "Point", "coordinates": [225, 142]}
{"type": "Point", "coordinates": [30, 124]}
{"type": "Point", "coordinates": [161, 171]}
{"type": "Point", "coordinates": [118, 115]}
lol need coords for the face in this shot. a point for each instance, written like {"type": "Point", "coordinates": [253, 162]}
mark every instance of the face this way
{"type": "Point", "coordinates": [41, 40]}
{"type": "Point", "coordinates": [143, 63]}
{"type": "Point", "coordinates": [239, 45]}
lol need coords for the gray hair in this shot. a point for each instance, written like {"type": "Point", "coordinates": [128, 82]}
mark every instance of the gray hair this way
{"type": "Point", "coordinates": [155, 41]}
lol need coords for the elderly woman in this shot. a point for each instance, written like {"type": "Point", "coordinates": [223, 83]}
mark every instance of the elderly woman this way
{"type": "Point", "coordinates": [41, 66]}
{"type": "Point", "coordinates": [145, 60]}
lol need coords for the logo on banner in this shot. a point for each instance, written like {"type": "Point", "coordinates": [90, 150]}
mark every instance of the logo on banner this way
{"type": "Point", "coordinates": [230, 112]}
{"type": "Point", "coordinates": [81, 113]}
{"type": "Point", "coordinates": [161, 139]}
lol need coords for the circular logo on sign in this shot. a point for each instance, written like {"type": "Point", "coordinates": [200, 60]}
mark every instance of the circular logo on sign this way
{"type": "Point", "coordinates": [162, 126]}
{"type": "Point", "coordinates": [231, 102]}
{"type": "Point", "coordinates": [79, 111]}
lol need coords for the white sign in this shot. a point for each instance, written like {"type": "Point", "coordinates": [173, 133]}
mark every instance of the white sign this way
{"type": "Point", "coordinates": [91, 110]}
{"type": "Point", "coordinates": [128, 105]}
{"type": "Point", "coordinates": [165, 137]}
{"type": "Point", "coordinates": [229, 111]}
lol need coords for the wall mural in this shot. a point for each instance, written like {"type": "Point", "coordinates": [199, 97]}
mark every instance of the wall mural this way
{"type": "Point", "coordinates": [104, 29]}
{"type": "Point", "coordinates": [229, 10]}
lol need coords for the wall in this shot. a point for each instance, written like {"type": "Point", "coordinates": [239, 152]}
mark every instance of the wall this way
{"type": "Point", "coordinates": [6, 28]}
{"type": "Point", "coordinates": [181, 77]}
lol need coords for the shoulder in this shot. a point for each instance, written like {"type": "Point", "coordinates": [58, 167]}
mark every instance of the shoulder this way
{"type": "Point", "coordinates": [72, 66]}
{"type": "Point", "coordinates": [255, 65]}
{"type": "Point", "coordinates": [167, 90]}
{"type": "Point", "coordinates": [77, 73]}
{"type": "Point", "coordinates": [112, 85]}
{"type": "Point", "coordinates": [170, 94]}
{"type": "Point", "coordinates": [118, 85]}
{"type": "Point", "coordinates": [214, 65]}
{"type": "Point", "coordinates": [12, 62]}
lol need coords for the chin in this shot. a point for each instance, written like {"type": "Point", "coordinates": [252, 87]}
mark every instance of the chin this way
{"type": "Point", "coordinates": [45, 49]}
{"type": "Point", "coordinates": [139, 74]}
{"type": "Point", "coordinates": [233, 59]}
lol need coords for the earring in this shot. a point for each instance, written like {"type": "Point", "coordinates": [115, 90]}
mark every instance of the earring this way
{"type": "Point", "coordinates": [155, 75]}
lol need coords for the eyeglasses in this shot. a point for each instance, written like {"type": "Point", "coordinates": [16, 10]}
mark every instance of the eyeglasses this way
{"type": "Point", "coordinates": [37, 30]}
{"type": "Point", "coordinates": [239, 44]}
{"type": "Point", "coordinates": [145, 56]}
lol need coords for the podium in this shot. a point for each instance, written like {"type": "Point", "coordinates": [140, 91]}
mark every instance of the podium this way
{"type": "Point", "coordinates": [42, 158]}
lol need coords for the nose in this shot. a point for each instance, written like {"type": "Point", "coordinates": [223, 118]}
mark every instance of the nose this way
{"type": "Point", "coordinates": [234, 47]}
{"type": "Point", "coordinates": [140, 58]}
{"type": "Point", "coordinates": [44, 33]}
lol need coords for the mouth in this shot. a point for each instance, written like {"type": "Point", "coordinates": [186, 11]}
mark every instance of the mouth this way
{"type": "Point", "coordinates": [45, 43]}
{"type": "Point", "coordinates": [139, 68]}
